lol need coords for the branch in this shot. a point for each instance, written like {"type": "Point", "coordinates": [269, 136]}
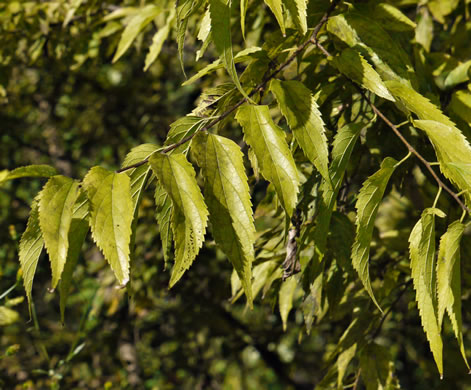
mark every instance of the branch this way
{"type": "Point", "coordinates": [257, 89]}
{"type": "Point", "coordinates": [396, 131]}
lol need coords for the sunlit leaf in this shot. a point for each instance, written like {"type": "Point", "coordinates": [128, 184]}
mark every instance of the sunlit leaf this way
{"type": "Point", "coordinates": [189, 216]}
{"type": "Point", "coordinates": [111, 214]}
{"type": "Point", "coordinates": [422, 255]}
{"type": "Point", "coordinates": [28, 171]}
{"type": "Point", "coordinates": [367, 205]}
{"type": "Point", "coordinates": [273, 155]}
{"type": "Point", "coordinates": [31, 245]}
{"type": "Point", "coordinates": [301, 111]}
{"type": "Point", "coordinates": [298, 9]}
{"type": "Point", "coordinates": [136, 24]}
{"type": "Point", "coordinates": [276, 6]}
{"type": "Point", "coordinates": [286, 296]}
{"type": "Point", "coordinates": [227, 194]}
{"type": "Point", "coordinates": [56, 205]}
{"type": "Point", "coordinates": [158, 40]}
{"type": "Point", "coordinates": [449, 281]}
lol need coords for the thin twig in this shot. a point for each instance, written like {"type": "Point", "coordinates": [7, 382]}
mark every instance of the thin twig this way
{"type": "Point", "coordinates": [396, 131]}
{"type": "Point", "coordinates": [257, 89]}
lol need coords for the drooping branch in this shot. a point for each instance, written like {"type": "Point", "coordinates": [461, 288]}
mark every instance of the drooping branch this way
{"type": "Point", "coordinates": [257, 89]}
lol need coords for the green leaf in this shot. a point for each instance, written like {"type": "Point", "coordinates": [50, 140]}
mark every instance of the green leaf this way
{"type": "Point", "coordinates": [8, 316]}
{"type": "Point", "coordinates": [243, 12]}
{"type": "Point", "coordinates": [286, 296]}
{"type": "Point", "coordinates": [458, 75]}
{"type": "Point", "coordinates": [276, 6]}
{"type": "Point", "coordinates": [136, 24]}
{"type": "Point", "coordinates": [190, 215]}
{"type": "Point", "coordinates": [227, 194]}
{"type": "Point", "coordinates": [391, 18]}
{"type": "Point", "coordinates": [449, 281]}
{"type": "Point", "coordinates": [374, 364]}
{"type": "Point", "coordinates": [28, 171]}
{"type": "Point", "coordinates": [77, 233]}
{"type": "Point", "coordinates": [273, 155]}
{"type": "Point", "coordinates": [460, 105]}
{"type": "Point", "coordinates": [453, 153]}
{"type": "Point", "coordinates": [422, 255]}
{"type": "Point", "coordinates": [158, 40]}
{"type": "Point", "coordinates": [355, 67]}
{"type": "Point", "coordinates": [424, 31]}
{"type": "Point", "coordinates": [140, 175]}
{"type": "Point", "coordinates": [182, 128]}
{"type": "Point", "coordinates": [300, 109]}
{"type": "Point", "coordinates": [220, 11]}
{"type": "Point", "coordinates": [111, 215]}
{"type": "Point", "coordinates": [344, 359]}
{"type": "Point", "coordinates": [56, 205]}
{"type": "Point", "coordinates": [163, 215]}
{"type": "Point", "coordinates": [298, 8]}
{"type": "Point", "coordinates": [31, 245]}
{"type": "Point", "coordinates": [375, 44]}
{"type": "Point", "coordinates": [367, 206]}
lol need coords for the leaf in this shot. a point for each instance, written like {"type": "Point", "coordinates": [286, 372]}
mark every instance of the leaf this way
{"type": "Point", "coordinates": [182, 128]}
{"type": "Point", "coordinates": [77, 233]}
{"type": "Point", "coordinates": [458, 75]}
{"type": "Point", "coordinates": [374, 364]}
{"type": "Point", "coordinates": [141, 174]}
{"type": "Point", "coordinates": [460, 105]}
{"type": "Point", "coordinates": [298, 8]}
{"type": "Point", "coordinates": [136, 24]}
{"type": "Point", "coordinates": [111, 215]}
{"type": "Point", "coordinates": [31, 245]}
{"type": "Point", "coordinates": [449, 281]}
{"type": "Point", "coordinates": [355, 67]}
{"type": "Point", "coordinates": [243, 12]}
{"type": "Point", "coordinates": [8, 316]}
{"type": "Point", "coordinates": [158, 40]}
{"type": "Point", "coordinates": [56, 204]}
{"type": "Point", "coordinates": [190, 215]}
{"type": "Point", "coordinates": [391, 18]}
{"type": "Point", "coordinates": [375, 44]}
{"type": "Point", "coordinates": [227, 194]}
{"type": "Point", "coordinates": [286, 295]}
{"type": "Point", "coordinates": [300, 109]}
{"type": "Point", "coordinates": [277, 8]}
{"type": "Point", "coordinates": [185, 9]}
{"type": "Point", "coordinates": [28, 171]}
{"type": "Point", "coordinates": [241, 56]}
{"type": "Point", "coordinates": [344, 359]}
{"type": "Point", "coordinates": [367, 206]}
{"type": "Point", "coordinates": [220, 11]}
{"type": "Point", "coordinates": [424, 30]}
{"type": "Point", "coordinates": [273, 155]}
{"type": "Point", "coordinates": [453, 153]}
{"type": "Point", "coordinates": [164, 216]}
{"type": "Point", "coordinates": [422, 255]}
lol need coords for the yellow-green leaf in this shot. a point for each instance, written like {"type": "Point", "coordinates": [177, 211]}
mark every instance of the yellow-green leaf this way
{"type": "Point", "coordinates": [273, 155]}
{"type": "Point", "coordinates": [189, 216]}
{"type": "Point", "coordinates": [136, 24]}
{"type": "Point", "coordinates": [111, 215]}
{"type": "Point", "coordinates": [158, 40]}
{"type": "Point", "coordinates": [28, 171]}
{"type": "Point", "coordinates": [367, 206]}
{"type": "Point", "coordinates": [276, 6]}
{"type": "Point", "coordinates": [286, 296]}
{"type": "Point", "coordinates": [422, 255]}
{"type": "Point", "coordinates": [298, 9]}
{"type": "Point", "coordinates": [163, 215]}
{"type": "Point", "coordinates": [220, 11]}
{"type": "Point", "coordinates": [449, 281]}
{"type": "Point", "coordinates": [8, 316]}
{"type": "Point", "coordinates": [227, 194]}
{"type": "Point", "coordinates": [31, 245]}
{"type": "Point", "coordinates": [355, 67]}
{"type": "Point", "coordinates": [392, 18]}
{"type": "Point", "coordinates": [56, 205]}
{"type": "Point", "coordinates": [300, 109]}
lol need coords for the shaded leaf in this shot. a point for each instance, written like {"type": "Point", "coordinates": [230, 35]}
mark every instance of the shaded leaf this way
{"type": "Point", "coordinates": [374, 364]}
{"type": "Point", "coordinates": [227, 194]}
{"type": "Point", "coordinates": [367, 206]}
{"type": "Point", "coordinates": [300, 109]}
{"type": "Point", "coordinates": [273, 155]}
{"type": "Point", "coordinates": [56, 206]}
{"type": "Point", "coordinates": [31, 245]}
{"type": "Point", "coordinates": [189, 216]}
{"type": "Point", "coordinates": [136, 24]}
{"type": "Point", "coordinates": [111, 215]}
{"type": "Point", "coordinates": [8, 316]}
{"type": "Point", "coordinates": [449, 281]}
{"type": "Point", "coordinates": [286, 296]}
{"type": "Point", "coordinates": [354, 66]}
{"type": "Point", "coordinates": [422, 255]}
{"type": "Point", "coordinates": [391, 18]}
{"type": "Point", "coordinates": [163, 214]}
